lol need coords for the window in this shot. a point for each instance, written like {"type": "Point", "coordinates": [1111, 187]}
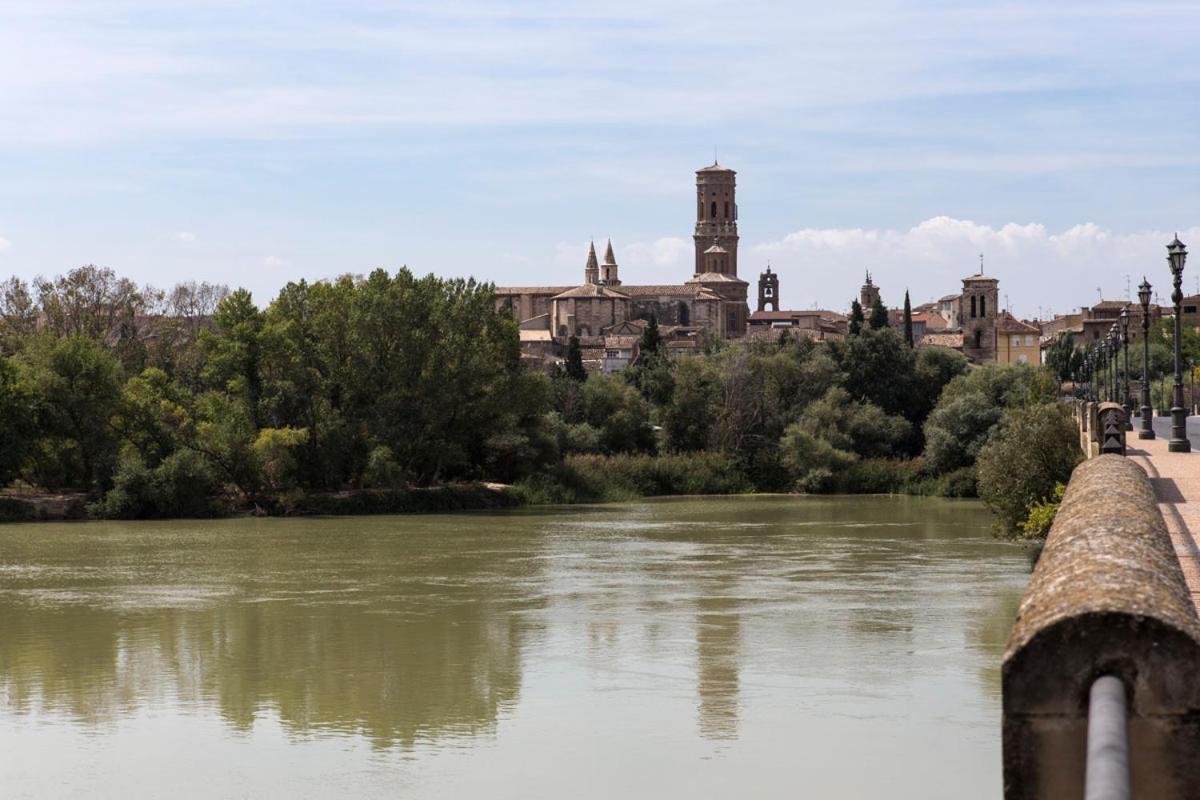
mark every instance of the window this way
{"type": "Point", "coordinates": [700, 211]}
{"type": "Point", "coordinates": [714, 209]}
{"type": "Point", "coordinates": [685, 314]}
{"type": "Point", "coordinates": [1016, 341]}
{"type": "Point", "coordinates": [1189, 309]}
{"type": "Point", "coordinates": [726, 209]}
{"type": "Point", "coordinates": [612, 353]}
{"type": "Point", "coordinates": [983, 306]}
{"type": "Point", "coordinates": [1029, 340]}
{"type": "Point", "coordinates": [978, 339]}
{"type": "Point", "coordinates": [972, 306]}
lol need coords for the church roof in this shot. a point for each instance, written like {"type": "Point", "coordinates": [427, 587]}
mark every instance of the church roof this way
{"type": "Point", "coordinates": [716, 277]}
{"type": "Point", "coordinates": [980, 279]}
{"type": "Point", "coordinates": [550, 290]}
{"type": "Point", "coordinates": [592, 290]}
{"type": "Point", "coordinates": [591, 262]}
{"type": "Point", "coordinates": [715, 167]}
{"type": "Point", "coordinates": [677, 290]}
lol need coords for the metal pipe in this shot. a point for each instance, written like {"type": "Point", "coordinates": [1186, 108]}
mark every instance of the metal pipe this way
{"type": "Point", "coordinates": [1107, 776]}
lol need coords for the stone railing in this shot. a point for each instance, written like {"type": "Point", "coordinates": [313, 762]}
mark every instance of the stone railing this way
{"type": "Point", "coordinates": [1107, 598]}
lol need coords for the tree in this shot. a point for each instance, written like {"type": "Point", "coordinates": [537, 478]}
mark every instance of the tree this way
{"type": "Point", "coordinates": [908, 328]}
{"type": "Point", "coordinates": [1036, 448]}
{"type": "Point", "coordinates": [75, 384]}
{"type": "Point", "coordinates": [856, 317]}
{"type": "Point", "coordinates": [651, 342]}
{"type": "Point", "coordinates": [15, 423]}
{"type": "Point", "coordinates": [879, 315]}
{"type": "Point", "coordinates": [574, 363]}
{"type": "Point", "coordinates": [957, 430]}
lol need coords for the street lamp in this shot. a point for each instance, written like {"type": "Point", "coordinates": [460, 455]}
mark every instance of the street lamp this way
{"type": "Point", "coordinates": [1126, 402]}
{"type": "Point", "coordinates": [1114, 345]}
{"type": "Point", "coordinates": [1177, 257]}
{"type": "Point", "coordinates": [1147, 431]}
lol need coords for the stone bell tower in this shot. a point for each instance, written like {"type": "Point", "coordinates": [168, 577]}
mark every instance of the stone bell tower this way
{"type": "Point", "coordinates": [768, 290]}
{"type": "Point", "coordinates": [716, 216]}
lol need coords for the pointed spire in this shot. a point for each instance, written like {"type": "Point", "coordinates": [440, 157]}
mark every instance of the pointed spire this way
{"type": "Point", "coordinates": [609, 258]}
{"type": "Point", "coordinates": [591, 272]}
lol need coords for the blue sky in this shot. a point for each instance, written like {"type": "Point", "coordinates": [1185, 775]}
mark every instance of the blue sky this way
{"type": "Point", "coordinates": [256, 143]}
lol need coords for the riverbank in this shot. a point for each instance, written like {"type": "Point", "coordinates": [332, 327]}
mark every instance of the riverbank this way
{"type": "Point", "coordinates": [578, 479]}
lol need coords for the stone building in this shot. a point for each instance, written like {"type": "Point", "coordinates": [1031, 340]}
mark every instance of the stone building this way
{"type": "Point", "coordinates": [867, 296]}
{"type": "Point", "coordinates": [712, 300]}
{"type": "Point", "coordinates": [977, 313]}
{"type": "Point", "coordinates": [767, 324]}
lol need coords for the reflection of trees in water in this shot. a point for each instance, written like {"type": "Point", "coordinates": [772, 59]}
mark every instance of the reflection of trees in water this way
{"type": "Point", "coordinates": [990, 631]}
{"type": "Point", "coordinates": [437, 656]}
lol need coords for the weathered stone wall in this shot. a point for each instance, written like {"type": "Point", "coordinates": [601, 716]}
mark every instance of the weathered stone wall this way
{"type": "Point", "coordinates": [1107, 597]}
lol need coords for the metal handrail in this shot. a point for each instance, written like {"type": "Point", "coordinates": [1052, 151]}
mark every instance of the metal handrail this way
{"type": "Point", "coordinates": [1107, 776]}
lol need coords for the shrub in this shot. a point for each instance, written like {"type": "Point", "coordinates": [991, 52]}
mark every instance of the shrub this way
{"type": "Point", "coordinates": [183, 485]}
{"type": "Point", "coordinates": [593, 478]}
{"type": "Point", "coordinates": [1041, 516]}
{"type": "Point", "coordinates": [382, 471]}
{"type": "Point", "coordinates": [1035, 448]}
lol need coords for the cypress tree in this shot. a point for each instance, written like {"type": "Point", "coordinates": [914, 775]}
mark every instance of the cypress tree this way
{"type": "Point", "coordinates": [908, 331]}
{"type": "Point", "coordinates": [574, 366]}
{"type": "Point", "coordinates": [651, 344]}
{"type": "Point", "coordinates": [879, 317]}
{"type": "Point", "coordinates": [856, 317]}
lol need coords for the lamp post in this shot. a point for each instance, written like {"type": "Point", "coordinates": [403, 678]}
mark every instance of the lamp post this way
{"type": "Point", "coordinates": [1125, 399]}
{"type": "Point", "coordinates": [1116, 362]}
{"type": "Point", "coordinates": [1177, 257]}
{"type": "Point", "coordinates": [1114, 385]}
{"type": "Point", "coordinates": [1147, 431]}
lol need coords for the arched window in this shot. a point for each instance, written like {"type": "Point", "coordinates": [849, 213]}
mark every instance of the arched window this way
{"type": "Point", "coordinates": [714, 209]}
{"type": "Point", "coordinates": [700, 211]}
{"type": "Point", "coordinates": [978, 339]}
{"type": "Point", "coordinates": [726, 209]}
{"type": "Point", "coordinates": [685, 314]}
{"type": "Point", "coordinates": [983, 306]}
{"type": "Point", "coordinates": [972, 306]}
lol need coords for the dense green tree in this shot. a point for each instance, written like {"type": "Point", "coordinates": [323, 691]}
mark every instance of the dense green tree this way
{"type": "Point", "coordinates": [908, 325]}
{"type": "Point", "coordinates": [879, 315]}
{"type": "Point", "coordinates": [1036, 448]}
{"type": "Point", "coordinates": [74, 384]}
{"type": "Point", "coordinates": [16, 423]}
{"type": "Point", "coordinates": [958, 428]}
{"type": "Point", "coordinates": [574, 361]}
{"type": "Point", "coordinates": [856, 318]}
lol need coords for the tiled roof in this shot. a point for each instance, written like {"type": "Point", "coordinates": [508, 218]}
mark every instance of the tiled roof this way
{"type": "Point", "coordinates": [593, 290]}
{"type": "Point", "coordinates": [717, 277]}
{"type": "Point", "coordinates": [783, 315]}
{"type": "Point", "coordinates": [1010, 324]}
{"type": "Point", "coordinates": [531, 289]}
{"type": "Point", "coordinates": [948, 298]}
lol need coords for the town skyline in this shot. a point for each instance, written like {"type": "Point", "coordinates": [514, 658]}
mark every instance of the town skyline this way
{"type": "Point", "coordinates": [495, 140]}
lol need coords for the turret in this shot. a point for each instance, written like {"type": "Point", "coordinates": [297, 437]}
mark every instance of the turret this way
{"type": "Point", "coordinates": [608, 273]}
{"type": "Point", "coordinates": [591, 272]}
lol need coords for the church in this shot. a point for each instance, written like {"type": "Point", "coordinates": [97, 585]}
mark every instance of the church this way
{"type": "Point", "coordinates": [608, 316]}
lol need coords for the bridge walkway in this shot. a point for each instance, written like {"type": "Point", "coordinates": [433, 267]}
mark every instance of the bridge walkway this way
{"type": "Point", "coordinates": [1176, 481]}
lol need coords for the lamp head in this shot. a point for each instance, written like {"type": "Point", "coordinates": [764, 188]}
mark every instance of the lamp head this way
{"type": "Point", "coordinates": [1176, 256]}
{"type": "Point", "coordinates": [1144, 294]}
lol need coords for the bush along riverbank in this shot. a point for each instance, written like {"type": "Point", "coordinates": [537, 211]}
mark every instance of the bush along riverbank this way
{"type": "Point", "coordinates": [394, 393]}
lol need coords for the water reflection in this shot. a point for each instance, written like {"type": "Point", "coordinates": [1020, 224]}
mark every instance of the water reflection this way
{"type": "Point", "coordinates": [561, 639]}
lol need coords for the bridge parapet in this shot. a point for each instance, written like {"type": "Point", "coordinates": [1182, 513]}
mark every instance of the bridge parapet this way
{"type": "Point", "coordinates": [1107, 597]}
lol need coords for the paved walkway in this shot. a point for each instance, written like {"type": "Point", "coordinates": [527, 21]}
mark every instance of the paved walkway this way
{"type": "Point", "coordinates": [1176, 478]}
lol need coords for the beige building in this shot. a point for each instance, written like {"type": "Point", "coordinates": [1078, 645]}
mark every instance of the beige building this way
{"type": "Point", "coordinates": [1017, 342]}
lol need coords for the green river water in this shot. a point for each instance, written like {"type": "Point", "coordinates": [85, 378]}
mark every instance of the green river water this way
{"type": "Point", "coordinates": [759, 647]}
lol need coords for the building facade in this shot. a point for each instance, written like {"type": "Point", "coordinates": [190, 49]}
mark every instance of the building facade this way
{"type": "Point", "coordinates": [712, 301]}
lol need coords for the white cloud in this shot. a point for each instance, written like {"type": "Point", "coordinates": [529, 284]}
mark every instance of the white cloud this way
{"type": "Point", "coordinates": [4, 244]}
{"type": "Point", "coordinates": [187, 237]}
{"type": "Point", "coordinates": [275, 262]}
{"type": "Point", "coordinates": [1038, 269]}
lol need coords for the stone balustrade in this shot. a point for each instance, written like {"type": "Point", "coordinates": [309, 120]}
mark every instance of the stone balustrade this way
{"type": "Point", "coordinates": [1107, 597]}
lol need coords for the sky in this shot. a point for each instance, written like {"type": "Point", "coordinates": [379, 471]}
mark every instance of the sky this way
{"type": "Point", "coordinates": [259, 143]}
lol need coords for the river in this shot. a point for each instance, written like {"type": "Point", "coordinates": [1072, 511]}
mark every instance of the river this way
{"type": "Point", "coordinates": [765, 647]}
